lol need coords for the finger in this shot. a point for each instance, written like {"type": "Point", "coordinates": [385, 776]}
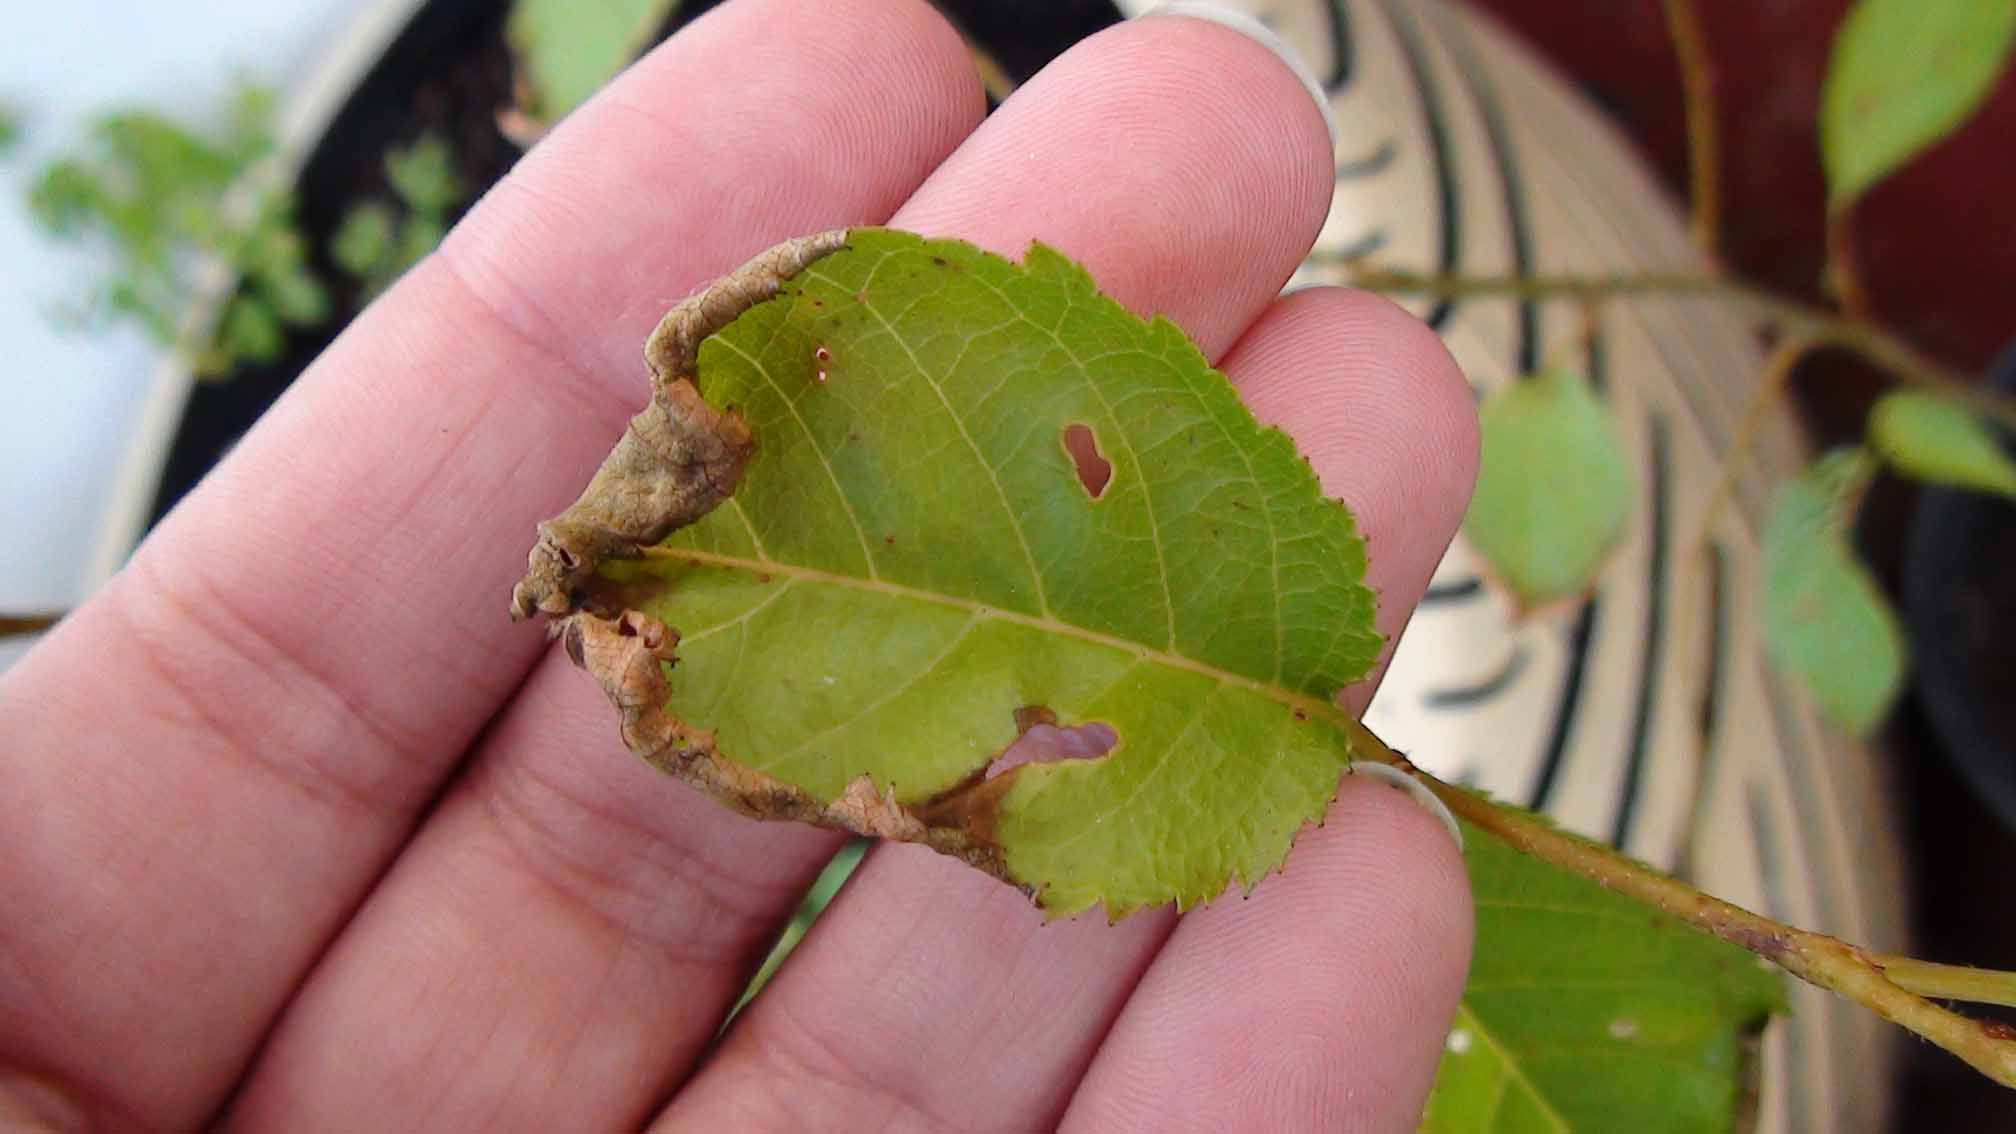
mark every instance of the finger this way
{"type": "Point", "coordinates": [977, 1008]}
{"type": "Point", "coordinates": [1322, 1003]}
{"type": "Point", "coordinates": [686, 894]}
{"type": "Point", "coordinates": [206, 767]}
{"type": "Point", "coordinates": [553, 951]}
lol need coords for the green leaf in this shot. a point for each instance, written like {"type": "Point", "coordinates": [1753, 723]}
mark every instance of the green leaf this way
{"type": "Point", "coordinates": [250, 331]}
{"type": "Point", "coordinates": [1553, 487]}
{"type": "Point", "coordinates": [423, 175]}
{"type": "Point", "coordinates": [64, 198]}
{"type": "Point", "coordinates": [1826, 623]}
{"type": "Point", "coordinates": [914, 569]}
{"type": "Point", "coordinates": [1904, 74]}
{"type": "Point", "coordinates": [10, 128]}
{"type": "Point", "coordinates": [1931, 439]}
{"type": "Point", "coordinates": [374, 244]}
{"type": "Point", "coordinates": [566, 49]}
{"type": "Point", "coordinates": [824, 889]}
{"type": "Point", "coordinates": [1586, 1011]}
{"type": "Point", "coordinates": [150, 191]}
{"type": "Point", "coordinates": [364, 239]}
{"type": "Point", "coordinates": [418, 236]}
{"type": "Point", "coordinates": [296, 296]}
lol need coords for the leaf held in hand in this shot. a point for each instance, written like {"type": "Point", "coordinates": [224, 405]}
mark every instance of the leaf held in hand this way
{"type": "Point", "coordinates": [566, 49]}
{"type": "Point", "coordinates": [1826, 623]}
{"type": "Point", "coordinates": [1931, 439]}
{"type": "Point", "coordinates": [1553, 487]}
{"type": "Point", "coordinates": [1903, 75]}
{"type": "Point", "coordinates": [1644, 1025]}
{"type": "Point", "coordinates": [923, 557]}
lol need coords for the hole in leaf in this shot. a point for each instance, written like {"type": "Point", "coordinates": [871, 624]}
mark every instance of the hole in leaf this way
{"type": "Point", "coordinates": [1095, 472]}
{"type": "Point", "coordinates": [1044, 741]}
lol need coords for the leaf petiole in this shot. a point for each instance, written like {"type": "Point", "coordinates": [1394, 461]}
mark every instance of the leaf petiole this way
{"type": "Point", "coordinates": [1949, 982]}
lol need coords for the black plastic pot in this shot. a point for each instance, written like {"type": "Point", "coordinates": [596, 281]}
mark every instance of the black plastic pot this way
{"type": "Point", "coordinates": [1960, 604]}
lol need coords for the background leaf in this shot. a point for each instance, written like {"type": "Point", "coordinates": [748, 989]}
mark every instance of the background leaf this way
{"type": "Point", "coordinates": [364, 239]}
{"type": "Point", "coordinates": [1826, 623]}
{"type": "Point", "coordinates": [911, 564]}
{"type": "Point", "coordinates": [566, 49]}
{"type": "Point", "coordinates": [149, 192]}
{"type": "Point", "coordinates": [1553, 487]}
{"type": "Point", "coordinates": [1930, 439]}
{"type": "Point", "coordinates": [1903, 75]}
{"type": "Point", "coordinates": [1586, 1011]}
{"type": "Point", "coordinates": [423, 175]}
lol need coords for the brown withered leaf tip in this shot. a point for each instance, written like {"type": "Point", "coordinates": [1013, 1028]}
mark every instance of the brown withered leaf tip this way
{"type": "Point", "coordinates": [677, 461]}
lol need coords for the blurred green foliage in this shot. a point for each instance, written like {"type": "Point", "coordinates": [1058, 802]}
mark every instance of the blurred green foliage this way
{"type": "Point", "coordinates": [377, 240]}
{"type": "Point", "coordinates": [565, 50]}
{"type": "Point", "coordinates": [159, 197]}
{"type": "Point", "coordinates": [1904, 75]}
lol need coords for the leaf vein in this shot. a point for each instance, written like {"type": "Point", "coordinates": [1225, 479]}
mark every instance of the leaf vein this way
{"type": "Point", "coordinates": [959, 423]}
{"type": "Point", "coordinates": [1124, 437]}
{"type": "Point", "coordinates": [811, 442]}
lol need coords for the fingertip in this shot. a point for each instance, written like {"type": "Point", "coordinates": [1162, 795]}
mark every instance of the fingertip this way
{"type": "Point", "coordinates": [1409, 844]}
{"type": "Point", "coordinates": [1250, 26]}
{"type": "Point", "coordinates": [1272, 103]}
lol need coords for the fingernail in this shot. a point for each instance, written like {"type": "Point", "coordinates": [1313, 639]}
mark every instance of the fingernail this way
{"type": "Point", "coordinates": [1414, 789]}
{"type": "Point", "coordinates": [1247, 25]}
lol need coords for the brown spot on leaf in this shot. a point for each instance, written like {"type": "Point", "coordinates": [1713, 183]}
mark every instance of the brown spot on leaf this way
{"type": "Point", "coordinates": [1029, 716]}
{"type": "Point", "coordinates": [1095, 472]}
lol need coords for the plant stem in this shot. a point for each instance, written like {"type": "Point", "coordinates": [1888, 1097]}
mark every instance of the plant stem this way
{"type": "Point", "coordinates": [1894, 356]}
{"type": "Point", "coordinates": [1844, 268]}
{"type": "Point", "coordinates": [1778, 370]}
{"type": "Point", "coordinates": [14, 624]}
{"type": "Point", "coordinates": [1816, 958]}
{"type": "Point", "coordinates": [1949, 982]}
{"type": "Point", "coordinates": [1697, 82]}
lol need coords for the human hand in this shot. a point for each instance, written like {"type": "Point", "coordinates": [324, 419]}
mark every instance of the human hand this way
{"type": "Point", "coordinates": [296, 828]}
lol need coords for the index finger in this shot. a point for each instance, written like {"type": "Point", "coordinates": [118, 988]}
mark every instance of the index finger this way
{"type": "Point", "coordinates": [205, 768]}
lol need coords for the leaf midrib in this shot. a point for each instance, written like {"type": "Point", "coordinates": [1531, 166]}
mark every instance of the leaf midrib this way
{"type": "Point", "coordinates": [1313, 706]}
